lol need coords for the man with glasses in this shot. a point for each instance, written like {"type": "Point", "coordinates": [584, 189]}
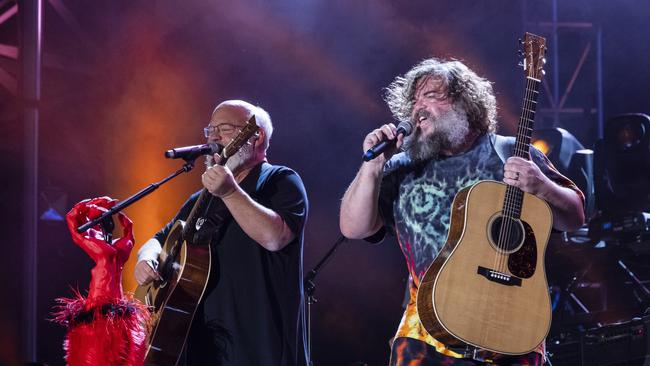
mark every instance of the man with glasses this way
{"type": "Point", "coordinates": [251, 312]}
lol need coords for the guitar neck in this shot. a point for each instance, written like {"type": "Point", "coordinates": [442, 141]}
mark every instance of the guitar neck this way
{"type": "Point", "coordinates": [514, 195]}
{"type": "Point", "coordinates": [527, 119]}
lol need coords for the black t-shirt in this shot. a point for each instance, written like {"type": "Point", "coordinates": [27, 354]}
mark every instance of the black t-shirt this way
{"type": "Point", "coordinates": [252, 312]}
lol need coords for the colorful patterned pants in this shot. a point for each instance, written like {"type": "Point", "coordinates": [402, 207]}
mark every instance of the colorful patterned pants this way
{"type": "Point", "coordinates": [413, 352]}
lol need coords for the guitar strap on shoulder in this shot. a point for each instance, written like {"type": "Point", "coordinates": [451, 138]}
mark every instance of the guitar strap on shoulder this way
{"type": "Point", "coordinates": [215, 219]}
{"type": "Point", "coordinates": [503, 145]}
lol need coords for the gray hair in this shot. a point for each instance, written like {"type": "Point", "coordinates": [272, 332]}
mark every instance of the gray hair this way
{"type": "Point", "coordinates": [470, 92]}
{"type": "Point", "coordinates": [262, 117]}
{"type": "Point", "coordinates": [263, 120]}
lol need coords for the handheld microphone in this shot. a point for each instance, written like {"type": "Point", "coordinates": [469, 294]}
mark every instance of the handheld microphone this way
{"type": "Point", "coordinates": [404, 128]}
{"type": "Point", "coordinates": [193, 152]}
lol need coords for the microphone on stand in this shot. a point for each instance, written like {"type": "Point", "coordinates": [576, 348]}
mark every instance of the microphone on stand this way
{"type": "Point", "coordinates": [193, 152]}
{"type": "Point", "coordinates": [404, 128]}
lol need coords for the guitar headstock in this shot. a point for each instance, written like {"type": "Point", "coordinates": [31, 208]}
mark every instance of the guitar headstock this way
{"type": "Point", "coordinates": [534, 49]}
{"type": "Point", "coordinates": [242, 137]}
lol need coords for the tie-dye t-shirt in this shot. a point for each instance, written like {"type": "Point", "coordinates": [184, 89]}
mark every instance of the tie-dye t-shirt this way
{"type": "Point", "coordinates": [415, 203]}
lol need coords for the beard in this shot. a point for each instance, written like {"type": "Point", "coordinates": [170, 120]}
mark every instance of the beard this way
{"type": "Point", "coordinates": [450, 131]}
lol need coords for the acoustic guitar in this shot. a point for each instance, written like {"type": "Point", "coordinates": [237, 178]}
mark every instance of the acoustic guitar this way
{"type": "Point", "coordinates": [184, 266]}
{"type": "Point", "coordinates": [487, 287]}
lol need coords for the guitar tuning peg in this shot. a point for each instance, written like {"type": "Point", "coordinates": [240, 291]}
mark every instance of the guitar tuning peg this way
{"type": "Point", "coordinates": [544, 60]}
{"type": "Point", "coordinates": [543, 72]}
{"type": "Point", "coordinates": [521, 64]}
{"type": "Point", "coordinates": [520, 41]}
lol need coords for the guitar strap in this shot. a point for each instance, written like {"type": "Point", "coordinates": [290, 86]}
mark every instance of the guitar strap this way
{"type": "Point", "coordinates": [215, 219]}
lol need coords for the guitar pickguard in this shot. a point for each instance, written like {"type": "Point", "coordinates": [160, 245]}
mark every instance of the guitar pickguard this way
{"type": "Point", "coordinates": [522, 263]}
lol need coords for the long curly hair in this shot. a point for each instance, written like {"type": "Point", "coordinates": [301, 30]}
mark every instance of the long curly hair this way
{"type": "Point", "coordinates": [468, 91]}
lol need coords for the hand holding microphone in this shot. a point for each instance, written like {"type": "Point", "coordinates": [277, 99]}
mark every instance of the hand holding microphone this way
{"type": "Point", "coordinates": [387, 140]}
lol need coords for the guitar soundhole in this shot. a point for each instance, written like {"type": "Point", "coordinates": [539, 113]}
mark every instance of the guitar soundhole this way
{"type": "Point", "coordinates": [166, 268]}
{"type": "Point", "coordinates": [506, 234]}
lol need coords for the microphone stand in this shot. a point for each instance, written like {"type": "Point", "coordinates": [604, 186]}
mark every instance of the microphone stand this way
{"type": "Point", "coordinates": [310, 287]}
{"type": "Point", "coordinates": [105, 220]}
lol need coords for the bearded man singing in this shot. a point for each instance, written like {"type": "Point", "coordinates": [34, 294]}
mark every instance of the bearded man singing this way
{"type": "Point", "coordinates": [409, 193]}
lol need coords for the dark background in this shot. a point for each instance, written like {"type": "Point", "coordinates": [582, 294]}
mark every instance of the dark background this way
{"type": "Point", "coordinates": [125, 80]}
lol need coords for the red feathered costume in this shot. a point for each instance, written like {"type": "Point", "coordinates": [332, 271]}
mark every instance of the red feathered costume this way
{"type": "Point", "coordinates": [107, 327]}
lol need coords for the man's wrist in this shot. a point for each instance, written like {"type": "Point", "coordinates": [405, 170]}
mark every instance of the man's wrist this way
{"type": "Point", "coordinates": [150, 250]}
{"type": "Point", "coordinates": [231, 194]}
{"type": "Point", "coordinates": [546, 188]}
{"type": "Point", "coordinates": [372, 169]}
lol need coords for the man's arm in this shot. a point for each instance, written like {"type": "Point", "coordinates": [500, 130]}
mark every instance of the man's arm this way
{"type": "Point", "coordinates": [567, 206]}
{"type": "Point", "coordinates": [150, 250]}
{"type": "Point", "coordinates": [262, 224]}
{"type": "Point", "coordinates": [268, 227]}
{"type": "Point", "coordinates": [359, 217]}
{"type": "Point", "coordinates": [145, 268]}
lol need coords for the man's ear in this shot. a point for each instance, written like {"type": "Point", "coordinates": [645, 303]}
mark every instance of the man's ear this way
{"type": "Point", "coordinates": [259, 137]}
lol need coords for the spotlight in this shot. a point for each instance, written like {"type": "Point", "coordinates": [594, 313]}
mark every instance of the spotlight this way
{"type": "Point", "coordinates": [56, 201]}
{"type": "Point", "coordinates": [558, 145]}
{"type": "Point", "coordinates": [570, 158]}
{"type": "Point", "coordinates": [623, 165]}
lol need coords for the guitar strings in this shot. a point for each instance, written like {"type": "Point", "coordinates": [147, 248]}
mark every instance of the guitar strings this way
{"type": "Point", "coordinates": [504, 235]}
{"type": "Point", "coordinates": [514, 194]}
{"type": "Point", "coordinates": [524, 142]}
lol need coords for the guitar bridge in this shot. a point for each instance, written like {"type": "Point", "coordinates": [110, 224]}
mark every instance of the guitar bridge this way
{"type": "Point", "coordinates": [499, 277]}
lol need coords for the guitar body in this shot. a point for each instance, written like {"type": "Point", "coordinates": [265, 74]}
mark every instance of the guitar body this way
{"type": "Point", "coordinates": [185, 269]}
{"type": "Point", "coordinates": [481, 293]}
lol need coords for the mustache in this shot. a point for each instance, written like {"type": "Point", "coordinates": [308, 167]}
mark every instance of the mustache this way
{"type": "Point", "coordinates": [422, 113]}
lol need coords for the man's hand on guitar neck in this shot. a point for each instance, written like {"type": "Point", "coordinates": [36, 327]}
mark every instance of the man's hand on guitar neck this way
{"type": "Point", "coordinates": [219, 181]}
{"type": "Point", "coordinates": [566, 204]}
{"type": "Point", "coordinates": [525, 175]}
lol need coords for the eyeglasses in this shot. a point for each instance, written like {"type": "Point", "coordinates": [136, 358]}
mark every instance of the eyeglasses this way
{"type": "Point", "coordinates": [222, 129]}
